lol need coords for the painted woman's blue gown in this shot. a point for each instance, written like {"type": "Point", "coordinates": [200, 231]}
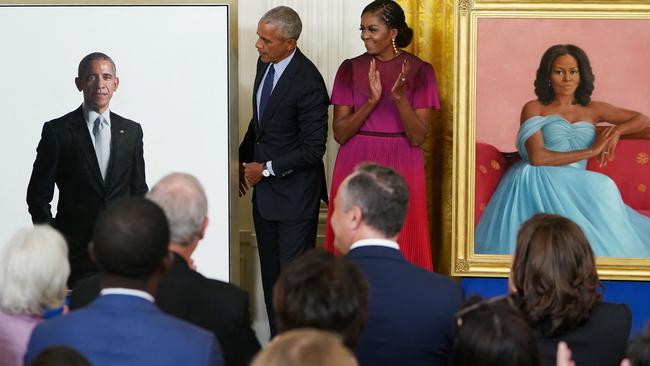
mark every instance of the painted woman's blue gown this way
{"type": "Point", "coordinates": [590, 199]}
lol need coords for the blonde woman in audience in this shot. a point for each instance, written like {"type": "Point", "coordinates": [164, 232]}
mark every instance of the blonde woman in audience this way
{"type": "Point", "coordinates": [555, 284]}
{"type": "Point", "coordinates": [302, 347]}
{"type": "Point", "coordinates": [34, 269]}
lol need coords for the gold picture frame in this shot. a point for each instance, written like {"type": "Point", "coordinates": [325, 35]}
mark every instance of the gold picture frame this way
{"type": "Point", "coordinates": [469, 17]}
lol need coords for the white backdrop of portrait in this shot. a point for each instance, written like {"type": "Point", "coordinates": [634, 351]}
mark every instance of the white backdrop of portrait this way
{"type": "Point", "coordinates": [172, 62]}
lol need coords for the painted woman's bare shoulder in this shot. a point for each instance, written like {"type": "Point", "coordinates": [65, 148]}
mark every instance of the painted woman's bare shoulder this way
{"type": "Point", "coordinates": [599, 106]}
{"type": "Point", "coordinates": [531, 108]}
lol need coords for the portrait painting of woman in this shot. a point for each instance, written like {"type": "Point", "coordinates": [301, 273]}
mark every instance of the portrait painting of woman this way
{"type": "Point", "coordinates": [557, 136]}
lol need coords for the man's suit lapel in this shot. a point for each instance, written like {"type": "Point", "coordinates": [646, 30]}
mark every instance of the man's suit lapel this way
{"type": "Point", "coordinates": [79, 130]}
{"type": "Point", "coordinates": [281, 88]}
{"type": "Point", "coordinates": [261, 69]}
{"type": "Point", "coordinates": [117, 146]}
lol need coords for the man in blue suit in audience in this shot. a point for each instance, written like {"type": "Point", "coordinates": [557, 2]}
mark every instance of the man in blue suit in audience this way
{"type": "Point", "coordinates": [123, 326]}
{"type": "Point", "coordinates": [217, 306]}
{"type": "Point", "coordinates": [410, 315]}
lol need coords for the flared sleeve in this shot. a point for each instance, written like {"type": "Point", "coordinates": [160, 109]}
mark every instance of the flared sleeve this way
{"type": "Point", "coordinates": [425, 88]}
{"type": "Point", "coordinates": [342, 91]}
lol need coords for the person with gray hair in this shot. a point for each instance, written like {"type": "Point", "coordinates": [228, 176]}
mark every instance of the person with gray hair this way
{"type": "Point", "coordinates": [33, 272]}
{"type": "Point", "coordinates": [214, 305]}
{"type": "Point", "coordinates": [369, 211]}
{"type": "Point", "coordinates": [281, 153]}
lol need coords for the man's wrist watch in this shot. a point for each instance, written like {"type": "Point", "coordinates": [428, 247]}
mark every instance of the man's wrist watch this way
{"type": "Point", "coordinates": [265, 172]}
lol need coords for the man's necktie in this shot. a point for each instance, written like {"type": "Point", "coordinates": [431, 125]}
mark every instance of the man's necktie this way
{"type": "Point", "coordinates": [102, 146]}
{"type": "Point", "coordinates": [267, 88]}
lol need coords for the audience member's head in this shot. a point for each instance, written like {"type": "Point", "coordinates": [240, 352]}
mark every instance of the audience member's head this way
{"type": "Point", "coordinates": [494, 333]}
{"type": "Point", "coordinates": [130, 241]}
{"type": "Point", "coordinates": [554, 274]}
{"type": "Point", "coordinates": [371, 203]}
{"type": "Point", "coordinates": [183, 200]}
{"type": "Point", "coordinates": [638, 352]}
{"type": "Point", "coordinates": [34, 269]}
{"type": "Point", "coordinates": [60, 356]}
{"type": "Point", "coordinates": [302, 347]}
{"type": "Point", "coordinates": [323, 291]}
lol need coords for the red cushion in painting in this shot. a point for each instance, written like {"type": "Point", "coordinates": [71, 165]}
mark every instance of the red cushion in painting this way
{"type": "Point", "coordinates": [490, 166]}
{"type": "Point", "coordinates": [631, 172]}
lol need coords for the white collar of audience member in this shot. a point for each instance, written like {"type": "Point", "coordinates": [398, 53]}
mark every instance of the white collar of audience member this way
{"type": "Point", "coordinates": [375, 242]}
{"type": "Point", "coordinates": [91, 115]}
{"type": "Point", "coordinates": [128, 292]}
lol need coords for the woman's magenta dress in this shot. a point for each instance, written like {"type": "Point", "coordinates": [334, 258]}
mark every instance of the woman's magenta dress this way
{"type": "Point", "coordinates": [381, 139]}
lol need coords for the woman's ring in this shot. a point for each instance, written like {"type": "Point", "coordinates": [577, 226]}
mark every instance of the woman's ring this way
{"type": "Point", "coordinates": [604, 152]}
{"type": "Point", "coordinates": [403, 79]}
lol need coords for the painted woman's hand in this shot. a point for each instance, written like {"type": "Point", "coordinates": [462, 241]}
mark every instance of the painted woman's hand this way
{"type": "Point", "coordinates": [609, 151]}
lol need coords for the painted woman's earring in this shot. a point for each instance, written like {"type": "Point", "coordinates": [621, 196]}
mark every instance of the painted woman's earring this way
{"type": "Point", "coordinates": [395, 48]}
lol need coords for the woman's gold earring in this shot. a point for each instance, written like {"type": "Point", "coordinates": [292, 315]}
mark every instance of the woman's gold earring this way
{"type": "Point", "coordinates": [395, 48]}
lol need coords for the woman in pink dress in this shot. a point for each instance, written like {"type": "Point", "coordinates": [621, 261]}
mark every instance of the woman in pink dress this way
{"type": "Point", "coordinates": [383, 100]}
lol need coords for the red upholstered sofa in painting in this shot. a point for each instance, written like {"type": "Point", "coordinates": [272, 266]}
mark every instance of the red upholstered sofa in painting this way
{"type": "Point", "coordinates": [630, 170]}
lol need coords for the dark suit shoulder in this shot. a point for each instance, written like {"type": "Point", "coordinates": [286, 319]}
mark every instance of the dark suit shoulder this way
{"type": "Point", "coordinates": [76, 115]}
{"type": "Point", "coordinates": [614, 316]}
{"type": "Point", "coordinates": [125, 123]}
{"type": "Point", "coordinates": [198, 291]}
{"type": "Point", "coordinates": [123, 120]}
{"type": "Point", "coordinates": [388, 266]}
{"type": "Point", "coordinates": [224, 289]}
{"type": "Point", "coordinates": [601, 340]}
{"type": "Point", "coordinates": [307, 69]}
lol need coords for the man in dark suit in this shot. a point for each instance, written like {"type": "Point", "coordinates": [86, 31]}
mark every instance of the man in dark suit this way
{"type": "Point", "coordinates": [410, 315]}
{"type": "Point", "coordinates": [123, 326]}
{"type": "Point", "coordinates": [217, 306]}
{"type": "Point", "coordinates": [282, 151]}
{"type": "Point", "coordinates": [93, 155]}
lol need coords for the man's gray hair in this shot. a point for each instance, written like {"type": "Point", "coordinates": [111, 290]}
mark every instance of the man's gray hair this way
{"type": "Point", "coordinates": [34, 269]}
{"type": "Point", "coordinates": [287, 21]}
{"type": "Point", "coordinates": [381, 194]}
{"type": "Point", "coordinates": [182, 198]}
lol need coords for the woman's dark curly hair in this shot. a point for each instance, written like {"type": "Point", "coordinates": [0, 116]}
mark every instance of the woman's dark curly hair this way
{"type": "Point", "coordinates": [543, 88]}
{"type": "Point", "coordinates": [393, 15]}
{"type": "Point", "coordinates": [554, 274]}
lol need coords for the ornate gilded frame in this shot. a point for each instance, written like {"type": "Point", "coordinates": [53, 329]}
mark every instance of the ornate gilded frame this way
{"type": "Point", "coordinates": [465, 262]}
